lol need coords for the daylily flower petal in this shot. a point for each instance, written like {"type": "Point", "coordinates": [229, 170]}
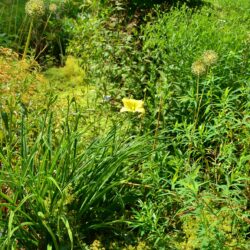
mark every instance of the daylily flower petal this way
{"type": "Point", "coordinates": [132, 105]}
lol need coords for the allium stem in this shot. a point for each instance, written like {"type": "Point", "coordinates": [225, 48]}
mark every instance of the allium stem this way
{"type": "Point", "coordinates": [197, 100]}
{"type": "Point", "coordinates": [28, 40]}
{"type": "Point", "coordinates": [199, 106]}
{"type": "Point", "coordinates": [197, 89]}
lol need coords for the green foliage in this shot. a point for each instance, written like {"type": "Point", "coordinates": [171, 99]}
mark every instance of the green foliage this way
{"type": "Point", "coordinates": [176, 177]}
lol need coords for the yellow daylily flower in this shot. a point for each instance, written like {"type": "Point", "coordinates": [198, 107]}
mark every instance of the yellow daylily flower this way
{"type": "Point", "coordinates": [132, 105]}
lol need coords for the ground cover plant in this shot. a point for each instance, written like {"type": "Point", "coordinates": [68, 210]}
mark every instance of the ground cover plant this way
{"type": "Point", "coordinates": [140, 139]}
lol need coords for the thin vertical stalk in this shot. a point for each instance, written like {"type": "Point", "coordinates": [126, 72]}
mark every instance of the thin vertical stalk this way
{"type": "Point", "coordinates": [197, 100]}
{"type": "Point", "coordinates": [28, 40]}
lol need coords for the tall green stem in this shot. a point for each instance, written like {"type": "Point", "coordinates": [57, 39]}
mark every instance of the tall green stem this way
{"type": "Point", "coordinates": [197, 100]}
{"type": "Point", "coordinates": [197, 90]}
{"type": "Point", "coordinates": [28, 40]}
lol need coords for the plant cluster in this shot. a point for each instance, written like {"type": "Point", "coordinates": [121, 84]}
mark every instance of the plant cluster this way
{"type": "Point", "coordinates": [194, 80]}
{"type": "Point", "coordinates": [173, 170]}
{"type": "Point", "coordinates": [52, 183]}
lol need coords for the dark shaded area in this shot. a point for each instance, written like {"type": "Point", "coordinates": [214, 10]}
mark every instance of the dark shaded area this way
{"type": "Point", "coordinates": [148, 4]}
{"type": "Point", "coordinates": [136, 10]}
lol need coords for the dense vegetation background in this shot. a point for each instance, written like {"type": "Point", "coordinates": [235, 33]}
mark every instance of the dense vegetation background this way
{"type": "Point", "coordinates": [124, 124]}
